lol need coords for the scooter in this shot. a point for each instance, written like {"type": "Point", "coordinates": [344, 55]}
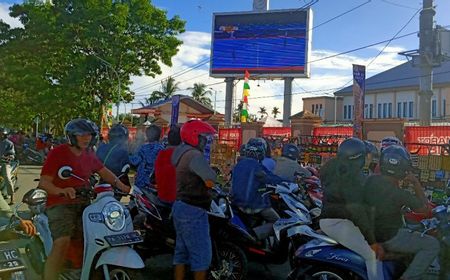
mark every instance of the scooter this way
{"type": "Point", "coordinates": [324, 258]}
{"type": "Point", "coordinates": [21, 256]}
{"type": "Point", "coordinates": [108, 235]}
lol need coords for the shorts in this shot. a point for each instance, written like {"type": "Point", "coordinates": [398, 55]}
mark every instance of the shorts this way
{"type": "Point", "coordinates": [193, 242]}
{"type": "Point", "coordinates": [66, 220]}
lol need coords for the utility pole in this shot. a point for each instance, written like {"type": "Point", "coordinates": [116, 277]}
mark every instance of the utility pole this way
{"type": "Point", "coordinates": [426, 58]}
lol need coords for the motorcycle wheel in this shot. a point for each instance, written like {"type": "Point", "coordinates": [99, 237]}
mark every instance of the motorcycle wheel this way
{"type": "Point", "coordinates": [119, 273]}
{"type": "Point", "coordinates": [232, 264]}
{"type": "Point", "coordinates": [326, 273]}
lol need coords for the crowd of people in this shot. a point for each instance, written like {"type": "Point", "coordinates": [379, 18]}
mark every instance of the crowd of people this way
{"type": "Point", "coordinates": [362, 203]}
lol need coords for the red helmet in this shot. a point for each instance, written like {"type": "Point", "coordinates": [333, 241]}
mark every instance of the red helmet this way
{"type": "Point", "coordinates": [191, 131]}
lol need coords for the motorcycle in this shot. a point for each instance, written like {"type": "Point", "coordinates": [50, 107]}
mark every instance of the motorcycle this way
{"type": "Point", "coordinates": [21, 256]}
{"type": "Point", "coordinates": [14, 170]}
{"type": "Point", "coordinates": [31, 155]}
{"type": "Point", "coordinates": [324, 258]}
{"type": "Point", "coordinates": [107, 236]}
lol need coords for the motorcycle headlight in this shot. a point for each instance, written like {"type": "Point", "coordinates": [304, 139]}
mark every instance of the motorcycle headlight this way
{"type": "Point", "coordinates": [114, 216]}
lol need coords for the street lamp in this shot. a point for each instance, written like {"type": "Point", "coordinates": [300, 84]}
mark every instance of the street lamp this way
{"type": "Point", "coordinates": [215, 98]}
{"type": "Point", "coordinates": [118, 79]}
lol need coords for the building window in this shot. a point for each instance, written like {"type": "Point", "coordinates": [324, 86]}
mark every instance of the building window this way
{"type": "Point", "coordinates": [411, 109]}
{"type": "Point", "coordinates": [444, 109]}
{"type": "Point", "coordinates": [399, 109]}
{"type": "Point", "coordinates": [379, 110]}
{"type": "Point", "coordinates": [405, 105]}
{"type": "Point", "coordinates": [353, 110]}
{"type": "Point", "coordinates": [384, 110]}
{"type": "Point", "coordinates": [370, 111]}
{"type": "Point", "coordinates": [320, 110]}
{"type": "Point", "coordinates": [390, 110]}
{"type": "Point", "coordinates": [349, 112]}
{"type": "Point", "coordinates": [345, 112]}
{"type": "Point", "coordinates": [366, 111]}
{"type": "Point", "coordinates": [433, 108]}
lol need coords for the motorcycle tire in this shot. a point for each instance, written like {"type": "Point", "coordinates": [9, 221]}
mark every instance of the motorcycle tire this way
{"type": "Point", "coordinates": [119, 273]}
{"type": "Point", "coordinates": [232, 263]}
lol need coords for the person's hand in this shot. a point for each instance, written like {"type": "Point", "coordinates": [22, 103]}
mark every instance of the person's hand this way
{"type": "Point", "coordinates": [28, 227]}
{"type": "Point", "coordinates": [124, 188]}
{"type": "Point", "coordinates": [379, 250]}
{"type": "Point", "coordinates": [69, 193]}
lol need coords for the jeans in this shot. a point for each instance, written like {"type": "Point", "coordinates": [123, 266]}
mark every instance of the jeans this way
{"type": "Point", "coordinates": [426, 249]}
{"type": "Point", "coordinates": [193, 242]}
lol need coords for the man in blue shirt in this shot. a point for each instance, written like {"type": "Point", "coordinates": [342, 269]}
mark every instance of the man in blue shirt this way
{"type": "Point", "coordinates": [249, 184]}
{"type": "Point", "coordinates": [144, 158]}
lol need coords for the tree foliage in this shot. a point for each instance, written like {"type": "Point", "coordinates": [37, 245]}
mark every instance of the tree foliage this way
{"type": "Point", "coordinates": [275, 112]}
{"type": "Point", "coordinates": [200, 93]}
{"type": "Point", "coordinates": [168, 88]}
{"type": "Point", "coordinates": [70, 57]}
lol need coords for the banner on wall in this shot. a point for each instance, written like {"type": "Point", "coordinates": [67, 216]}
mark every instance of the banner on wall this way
{"type": "Point", "coordinates": [359, 87]}
{"type": "Point", "coordinates": [432, 138]}
{"type": "Point", "coordinates": [175, 109]}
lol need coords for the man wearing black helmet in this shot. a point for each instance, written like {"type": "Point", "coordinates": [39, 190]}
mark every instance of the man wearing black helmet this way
{"type": "Point", "coordinates": [64, 210]}
{"type": "Point", "coordinates": [344, 216]}
{"type": "Point", "coordinates": [386, 199]}
{"type": "Point", "coordinates": [114, 155]}
{"type": "Point", "coordinates": [287, 166]}
{"type": "Point", "coordinates": [7, 154]}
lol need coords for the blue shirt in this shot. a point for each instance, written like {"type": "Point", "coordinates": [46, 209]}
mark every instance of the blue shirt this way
{"type": "Point", "coordinates": [269, 163]}
{"type": "Point", "coordinates": [144, 159]}
{"type": "Point", "coordinates": [249, 184]}
{"type": "Point", "coordinates": [117, 158]}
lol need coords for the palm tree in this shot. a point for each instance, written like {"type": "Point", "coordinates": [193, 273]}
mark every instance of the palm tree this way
{"type": "Point", "coordinates": [200, 92]}
{"type": "Point", "coordinates": [168, 88]}
{"type": "Point", "coordinates": [262, 111]}
{"type": "Point", "coordinates": [275, 112]}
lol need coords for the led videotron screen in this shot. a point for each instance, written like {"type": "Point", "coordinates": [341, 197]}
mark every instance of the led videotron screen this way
{"type": "Point", "coordinates": [269, 44]}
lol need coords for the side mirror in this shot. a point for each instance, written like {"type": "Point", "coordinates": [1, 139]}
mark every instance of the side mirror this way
{"type": "Point", "coordinates": [65, 172]}
{"type": "Point", "coordinates": [35, 197]}
{"type": "Point", "coordinates": [125, 169]}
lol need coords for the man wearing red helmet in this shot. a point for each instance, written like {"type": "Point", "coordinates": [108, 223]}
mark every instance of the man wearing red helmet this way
{"type": "Point", "coordinates": [194, 178]}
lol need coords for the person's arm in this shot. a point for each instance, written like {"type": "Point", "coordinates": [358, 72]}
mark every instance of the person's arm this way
{"type": "Point", "coordinates": [200, 166]}
{"type": "Point", "coordinates": [46, 183]}
{"type": "Point", "coordinates": [266, 177]}
{"type": "Point", "coordinates": [418, 190]}
{"type": "Point", "coordinates": [112, 179]}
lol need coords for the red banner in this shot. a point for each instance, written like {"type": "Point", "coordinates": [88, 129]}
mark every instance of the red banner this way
{"type": "Point", "coordinates": [333, 131]}
{"type": "Point", "coordinates": [427, 139]}
{"type": "Point", "coordinates": [276, 131]}
{"type": "Point", "coordinates": [230, 136]}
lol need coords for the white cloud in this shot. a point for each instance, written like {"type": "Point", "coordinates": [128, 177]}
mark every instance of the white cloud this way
{"type": "Point", "coordinates": [327, 75]}
{"type": "Point", "coordinates": [4, 15]}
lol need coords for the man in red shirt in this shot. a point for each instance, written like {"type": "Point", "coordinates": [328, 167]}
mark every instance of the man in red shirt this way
{"type": "Point", "coordinates": [64, 210]}
{"type": "Point", "coordinates": [165, 173]}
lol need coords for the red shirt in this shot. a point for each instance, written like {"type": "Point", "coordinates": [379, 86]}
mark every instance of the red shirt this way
{"type": "Point", "coordinates": [165, 175]}
{"type": "Point", "coordinates": [83, 166]}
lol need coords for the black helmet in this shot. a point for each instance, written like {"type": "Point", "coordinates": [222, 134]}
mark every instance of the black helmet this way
{"type": "Point", "coordinates": [395, 161]}
{"type": "Point", "coordinates": [153, 133]}
{"type": "Point", "coordinates": [390, 140]}
{"type": "Point", "coordinates": [80, 127]}
{"type": "Point", "coordinates": [352, 150]}
{"type": "Point", "coordinates": [290, 151]}
{"type": "Point", "coordinates": [373, 151]}
{"type": "Point", "coordinates": [118, 132]}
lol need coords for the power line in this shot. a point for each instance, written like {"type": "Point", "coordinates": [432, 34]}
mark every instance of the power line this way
{"type": "Point", "coordinates": [398, 5]}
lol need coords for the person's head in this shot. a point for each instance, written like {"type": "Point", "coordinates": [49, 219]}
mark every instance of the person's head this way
{"type": "Point", "coordinates": [4, 134]}
{"type": "Point", "coordinates": [373, 156]}
{"type": "Point", "coordinates": [118, 133]}
{"type": "Point", "coordinates": [256, 149]}
{"type": "Point", "coordinates": [290, 151]}
{"type": "Point", "coordinates": [153, 133]}
{"type": "Point", "coordinates": [388, 141]}
{"type": "Point", "coordinates": [173, 137]}
{"type": "Point", "coordinates": [395, 161]}
{"type": "Point", "coordinates": [195, 133]}
{"type": "Point", "coordinates": [352, 152]}
{"type": "Point", "coordinates": [81, 133]}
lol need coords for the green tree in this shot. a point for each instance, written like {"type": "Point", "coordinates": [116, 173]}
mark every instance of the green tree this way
{"type": "Point", "coordinates": [70, 57]}
{"type": "Point", "coordinates": [275, 112]}
{"type": "Point", "coordinates": [262, 111]}
{"type": "Point", "coordinates": [237, 112]}
{"type": "Point", "coordinates": [200, 92]}
{"type": "Point", "coordinates": [168, 88]}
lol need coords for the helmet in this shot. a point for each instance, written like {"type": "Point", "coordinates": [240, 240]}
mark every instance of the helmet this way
{"type": "Point", "coordinates": [194, 133]}
{"type": "Point", "coordinates": [118, 132]}
{"type": "Point", "coordinates": [390, 140]}
{"type": "Point", "coordinates": [290, 151]}
{"type": "Point", "coordinates": [80, 127]}
{"type": "Point", "coordinates": [395, 161]}
{"type": "Point", "coordinates": [4, 133]}
{"type": "Point", "coordinates": [352, 150]}
{"type": "Point", "coordinates": [153, 133]}
{"type": "Point", "coordinates": [255, 151]}
{"type": "Point", "coordinates": [372, 150]}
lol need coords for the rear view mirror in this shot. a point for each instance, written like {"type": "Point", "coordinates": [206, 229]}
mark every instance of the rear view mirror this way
{"type": "Point", "coordinates": [65, 172]}
{"type": "Point", "coordinates": [125, 169]}
{"type": "Point", "coordinates": [35, 197]}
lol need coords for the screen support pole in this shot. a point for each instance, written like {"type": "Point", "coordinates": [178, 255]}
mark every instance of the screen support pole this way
{"type": "Point", "coordinates": [229, 100]}
{"type": "Point", "coordinates": [287, 102]}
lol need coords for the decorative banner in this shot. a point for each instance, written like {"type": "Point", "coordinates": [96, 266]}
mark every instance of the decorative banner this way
{"type": "Point", "coordinates": [245, 94]}
{"type": "Point", "coordinates": [359, 87]}
{"type": "Point", "coordinates": [175, 109]}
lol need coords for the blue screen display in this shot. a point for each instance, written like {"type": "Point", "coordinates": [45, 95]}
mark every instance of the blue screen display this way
{"type": "Point", "coordinates": [262, 43]}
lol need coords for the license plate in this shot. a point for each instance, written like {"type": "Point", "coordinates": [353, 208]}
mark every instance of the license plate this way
{"type": "Point", "coordinates": [11, 265]}
{"type": "Point", "coordinates": [124, 239]}
{"type": "Point", "coordinates": [9, 255]}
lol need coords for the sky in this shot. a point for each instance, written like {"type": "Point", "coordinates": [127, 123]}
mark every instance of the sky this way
{"type": "Point", "coordinates": [373, 21]}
